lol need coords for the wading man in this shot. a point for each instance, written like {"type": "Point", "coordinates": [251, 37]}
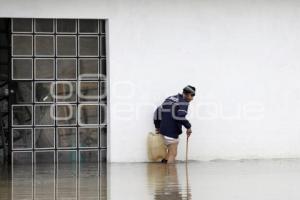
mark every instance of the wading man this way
{"type": "Point", "coordinates": [169, 119]}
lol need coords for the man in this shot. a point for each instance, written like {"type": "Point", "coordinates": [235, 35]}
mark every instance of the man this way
{"type": "Point", "coordinates": [170, 117]}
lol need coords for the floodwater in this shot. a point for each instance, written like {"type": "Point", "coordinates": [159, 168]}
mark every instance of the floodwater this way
{"type": "Point", "coordinates": [217, 180]}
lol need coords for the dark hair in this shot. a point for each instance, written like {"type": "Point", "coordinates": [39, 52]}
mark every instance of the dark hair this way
{"type": "Point", "coordinates": [189, 90]}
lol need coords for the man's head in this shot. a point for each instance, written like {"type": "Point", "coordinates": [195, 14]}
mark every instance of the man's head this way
{"type": "Point", "coordinates": [189, 92]}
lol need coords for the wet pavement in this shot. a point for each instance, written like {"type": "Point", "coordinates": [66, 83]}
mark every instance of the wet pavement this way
{"type": "Point", "coordinates": [217, 180]}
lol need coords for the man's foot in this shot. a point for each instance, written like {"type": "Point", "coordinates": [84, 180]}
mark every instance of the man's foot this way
{"type": "Point", "coordinates": [164, 161]}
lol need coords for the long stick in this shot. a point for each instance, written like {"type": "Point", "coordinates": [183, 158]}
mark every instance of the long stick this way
{"type": "Point", "coordinates": [186, 149]}
{"type": "Point", "coordinates": [186, 168]}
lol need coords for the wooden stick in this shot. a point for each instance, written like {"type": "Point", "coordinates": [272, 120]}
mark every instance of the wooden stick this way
{"type": "Point", "coordinates": [186, 148]}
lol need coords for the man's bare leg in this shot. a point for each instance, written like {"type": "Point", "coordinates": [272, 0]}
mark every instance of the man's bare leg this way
{"type": "Point", "coordinates": [172, 152]}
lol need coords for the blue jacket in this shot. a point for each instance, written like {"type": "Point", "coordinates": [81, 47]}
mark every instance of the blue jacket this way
{"type": "Point", "coordinates": [170, 116]}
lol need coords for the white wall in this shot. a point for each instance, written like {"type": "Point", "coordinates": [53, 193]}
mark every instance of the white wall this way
{"type": "Point", "coordinates": [240, 55]}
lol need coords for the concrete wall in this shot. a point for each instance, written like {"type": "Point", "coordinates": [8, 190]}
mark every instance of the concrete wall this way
{"type": "Point", "coordinates": [242, 56]}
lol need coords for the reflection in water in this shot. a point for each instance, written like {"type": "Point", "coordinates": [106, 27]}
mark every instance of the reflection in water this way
{"type": "Point", "coordinates": [87, 179]}
{"type": "Point", "coordinates": [46, 179]}
{"type": "Point", "coordinates": [163, 179]}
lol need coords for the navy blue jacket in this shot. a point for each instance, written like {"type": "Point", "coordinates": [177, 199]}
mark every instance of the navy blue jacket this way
{"type": "Point", "coordinates": [170, 116]}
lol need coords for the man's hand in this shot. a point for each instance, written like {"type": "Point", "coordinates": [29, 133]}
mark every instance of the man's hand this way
{"type": "Point", "coordinates": [188, 132]}
{"type": "Point", "coordinates": [157, 131]}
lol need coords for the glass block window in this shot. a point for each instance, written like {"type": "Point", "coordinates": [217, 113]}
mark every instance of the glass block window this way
{"type": "Point", "coordinates": [59, 70]}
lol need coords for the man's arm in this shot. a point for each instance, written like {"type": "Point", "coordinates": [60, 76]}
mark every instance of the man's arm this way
{"type": "Point", "coordinates": [157, 118]}
{"type": "Point", "coordinates": [181, 112]}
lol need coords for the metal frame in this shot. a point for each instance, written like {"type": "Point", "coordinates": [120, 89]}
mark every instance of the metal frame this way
{"type": "Point", "coordinates": [76, 137]}
{"type": "Point", "coordinates": [98, 136]}
{"type": "Point", "coordinates": [12, 26]}
{"type": "Point", "coordinates": [35, 46]}
{"type": "Point", "coordinates": [50, 87]}
{"type": "Point", "coordinates": [35, 114]}
{"type": "Point", "coordinates": [67, 56]}
{"type": "Point", "coordinates": [65, 33]}
{"type": "Point", "coordinates": [12, 139]}
{"type": "Point", "coordinates": [71, 58]}
{"type": "Point", "coordinates": [87, 104]}
{"type": "Point", "coordinates": [88, 33]}
{"type": "Point", "coordinates": [98, 67]}
{"type": "Point", "coordinates": [12, 44]}
{"type": "Point", "coordinates": [35, 68]}
{"type": "Point", "coordinates": [89, 36]}
{"type": "Point", "coordinates": [58, 119]}
{"type": "Point", "coordinates": [65, 99]}
{"type": "Point", "coordinates": [12, 68]}
{"type": "Point", "coordinates": [90, 98]}
{"type": "Point", "coordinates": [53, 26]}
{"type": "Point", "coordinates": [12, 114]}
{"type": "Point", "coordinates": [44, 127]}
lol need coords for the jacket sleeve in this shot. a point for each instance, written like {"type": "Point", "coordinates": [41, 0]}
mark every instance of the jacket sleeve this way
{"type": "Point", "coordinates": [180, 113]}
{"type": "Point", "coordinates": [157, 117]}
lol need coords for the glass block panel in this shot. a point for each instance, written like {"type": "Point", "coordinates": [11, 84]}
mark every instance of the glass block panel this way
{"type": "Point", "coordinates": [88, 137]}
{"type": "Point", "coordinates": [89, 91]}
{"type": "Point", "coordinates": [103, 114]}
{"type": "Point", "coordinates": [88, 157]}
{"type": "Point", "coordinates": [88, 26]}
{"type": "Point", "coordinates": [66, 91]}
{"type": "Point", "coordinates": [23, 91]}
{"type": "Point", "coordinates": [88, 114]}
{"type": "Point", "coordinates": [44, 91]}
{"type": "Point", "coordinates": [44, 115]}
{"type": "Point", "coordinates": [66, 68]}
{"type": "Point", "coordinates": [66, 114]}
{"type": "Point", "coordinates": [103, 69]}
{"type": "Point", "coordinates": [22, 138]}
{"type": "Point", "coordinates": [44, 137]}
{"type": "Point", "coordinates": [44, 68]}
{"type": "Point", "coordinates": [21, 115]}
{"type": "Point", "coordinates": [44, 26]}
{"type": "Point", "coordinates": [103, 137]}
{"type": "Point", "coordinates": [66, 137]}
{"type": "Point", "coordinates": [44, 45]}
{"type": "Point", "coordinates": [22, 45]}
{"type": "Point", "coordinates": [22, 69]}
{"type": "Point", "coordinates": [88, 45]}
{"type": "Point", "coordinates": [22, 25]}
{"type": "Point", "coordinates": [88, 68]}
{"type": "Point", "coordinates": [66, 46]}
{"type": "Point", "coordinates": [66, 26]}
{"type": "Point", "coordinates": [102, 46]}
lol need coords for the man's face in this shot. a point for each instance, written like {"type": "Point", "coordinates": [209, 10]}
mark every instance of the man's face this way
{"type": "Point", "coordinates": [189, 97]}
